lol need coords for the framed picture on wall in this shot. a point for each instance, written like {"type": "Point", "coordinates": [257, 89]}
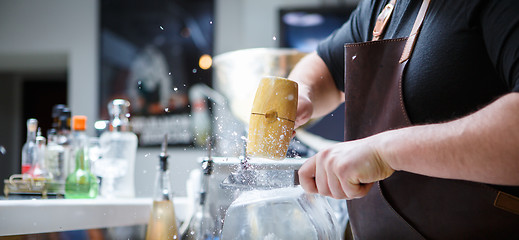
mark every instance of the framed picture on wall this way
{"type": "Point", "coordinates": [151, 52]}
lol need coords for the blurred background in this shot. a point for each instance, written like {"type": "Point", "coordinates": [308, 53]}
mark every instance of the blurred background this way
{"type": "Point", "coordinates": [84, 53]}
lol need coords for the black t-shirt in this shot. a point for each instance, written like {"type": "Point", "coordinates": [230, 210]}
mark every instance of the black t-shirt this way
{"type": "Point", "coordinates": [466, 55]}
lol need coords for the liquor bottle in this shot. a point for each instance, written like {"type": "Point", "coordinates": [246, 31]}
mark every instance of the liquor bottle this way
{"type": "Point", "coordinates": [55, 157]}
{"type": "Point", "coordinates": [39, 169]}
{"type": "Point", "coordinates": [201, 225]}
{"type": "Point", "coordinates": [201, 116]}
{"type": "Point", "coordinates": [55, 153]}
{"type": "Point", "coordinates": [29, 148]}
{"type": "Point", "coordinates": [65, 139]}
{"type": "Point", "coordinates": [118, 150]}
{"type": "Point", "coordinates": [56, 113]}
{"type": "Point", "coordinates": [162, 223]}
{"type": "Point", "coordinates": [81, 183]}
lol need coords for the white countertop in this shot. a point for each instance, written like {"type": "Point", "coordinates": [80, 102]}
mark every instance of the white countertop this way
{"type": "Point", "coordinates": [56, 215]}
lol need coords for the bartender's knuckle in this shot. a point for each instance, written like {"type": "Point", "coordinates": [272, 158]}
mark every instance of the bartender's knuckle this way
{"type": "Point", "coordinates": [357, 194]}
{"type": "Point", "coordinates": [341, 167]}
{"type": "Point", "coordinates": [339, 195]}
{"type": "Point", "coordinates": [362, 190]}
{"type": "Point", "coordinates": [329, 164]}
{"type": "Point", "coordinates": [353, 190]}
{"type": "Point", "coordinates": [324, 191]}
{"type": "Point", "coordinates": [354, 195]}
{"type": "Point", "coordinates": [323, 154]}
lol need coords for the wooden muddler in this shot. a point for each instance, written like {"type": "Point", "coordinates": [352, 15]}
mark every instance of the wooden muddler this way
{"type": "Point", "coordinates": [272, 118]}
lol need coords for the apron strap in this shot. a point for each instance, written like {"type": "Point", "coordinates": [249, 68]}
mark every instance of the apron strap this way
{"type": "Point", "coordinates": [382, 20]}
{"type": "Point", "coordinates": [409, 45]}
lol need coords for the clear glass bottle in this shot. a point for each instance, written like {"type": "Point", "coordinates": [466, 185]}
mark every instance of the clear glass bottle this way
{"type": "Point", "coordinates": [201, 119]}
{"type": "Point", "coordinates": [55, 157]}
{"type": "Point", "coordinates": [118, 150]}
{"type": "Point", "coordinates": [55, 162]}
{"type": "Point", "coordinates": [201, 225]}
{"type": "Point", "coordinates": [56, 113]}
{"type": "Point", "coordinates": [64, 139]}
{"type": "Point", "coordinates": [81, 183]}
{"type": "Point", "coordinates": [29, 149]}
{"type": "Point", "coordinates": [162, 223]}
{"type": "Point", "coordinates": [39, 168]}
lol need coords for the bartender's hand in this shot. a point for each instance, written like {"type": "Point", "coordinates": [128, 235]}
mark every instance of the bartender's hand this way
{"type": "Point", "coordinates": [344, 170]}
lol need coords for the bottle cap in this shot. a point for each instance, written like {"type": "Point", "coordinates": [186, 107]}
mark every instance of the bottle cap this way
{"type": "Point", "coordinates": [57, 109]}
{"type": "Point", "coordinates": [79, 122]}
{"type": "Point", "coordinates": [32, 124]}
{"type": "Point", "coordinates": [118, 107]}
{"type": "Point", "coordinates": [40, 140]}
{"type": "Point", "coordinates": [119, 113]}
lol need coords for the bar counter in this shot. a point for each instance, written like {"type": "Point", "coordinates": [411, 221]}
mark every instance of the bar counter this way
{"type": "Point", "coordinates": [18, 217]}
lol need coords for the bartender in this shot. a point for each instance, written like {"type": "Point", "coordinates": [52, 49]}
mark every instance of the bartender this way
{"type": "Point", "coordinates": [431, 98]}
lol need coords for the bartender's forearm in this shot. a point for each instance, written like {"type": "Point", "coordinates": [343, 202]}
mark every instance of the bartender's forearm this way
{"type": "Point", "coordinates": [316, 83]}
{"type": "Point", "coordinates": [482, 147]}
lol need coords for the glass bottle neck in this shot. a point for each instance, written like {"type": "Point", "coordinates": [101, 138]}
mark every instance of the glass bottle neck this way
{"type": "Point", "coordinates": [204, 185]}
{"type": "Point", "coordinates": [81, 150]}
{"type": "Point", "coordinates": [52, 139]}
{"type": "Point", "coordinates": [119, 123]}
{"type": "Point", "coordinates": [82, 159]}
{"type": "Point", "coordinates": [162, 185]}
{"type": "Point", "coordinates": [207, 170]}
{"type": "Point", "coordinates": [64, 126]}
{"type": "Point", "coordinates": [31, 136]}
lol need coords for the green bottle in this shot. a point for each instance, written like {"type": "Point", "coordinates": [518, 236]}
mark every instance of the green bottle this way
{"type": "Point", "coordinates": [81, 183]}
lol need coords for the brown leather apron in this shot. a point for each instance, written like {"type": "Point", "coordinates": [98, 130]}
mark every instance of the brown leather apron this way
{"type": "Point", "coordinates": [406, 205]}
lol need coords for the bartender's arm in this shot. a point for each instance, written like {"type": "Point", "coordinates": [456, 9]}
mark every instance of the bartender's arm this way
{"type": "Point", "coordinates": [481, 147]}
{"type": "Point", "coordinates": [317, 92]}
